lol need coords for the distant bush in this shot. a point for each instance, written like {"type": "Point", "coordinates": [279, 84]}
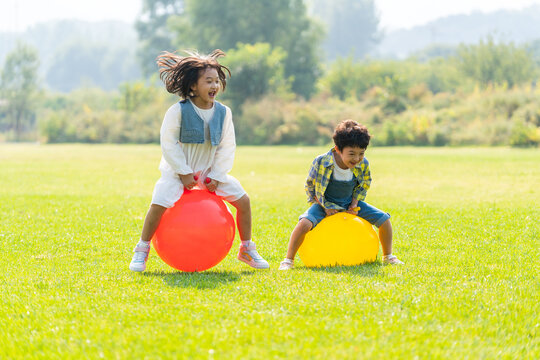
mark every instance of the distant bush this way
{"type": "Point", "coordinates": [133, 115]}
{"type": "Point", "coordinates": [273, 120]}
{"type": "Point", "coordinates": [493, 116]}
{"type": "Point", "coordinates": [524, 134]}
{"type": "Point", "coordinates": [435, 103]}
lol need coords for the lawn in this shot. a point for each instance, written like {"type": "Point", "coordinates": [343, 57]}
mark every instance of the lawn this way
{"type": "Point", "coordinates": [465, 223]}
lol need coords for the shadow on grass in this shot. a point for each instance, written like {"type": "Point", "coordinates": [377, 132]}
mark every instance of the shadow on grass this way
{"type": "Point", "coordinates": [198, 280]}
{"type": "Point", "coordinates": [366, 270]}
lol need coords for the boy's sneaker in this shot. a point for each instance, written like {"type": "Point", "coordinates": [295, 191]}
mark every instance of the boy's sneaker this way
{"type": "Point", "coordinates": [286, 265]}
{"type": "Point", "coordinates": [249, 255]}
{"type": "Point", "coordinates": [138, 263]}
{"type": "Point", "coordinates": [392, 260]}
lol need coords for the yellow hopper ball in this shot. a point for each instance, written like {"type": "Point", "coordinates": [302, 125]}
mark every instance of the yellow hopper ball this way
{"type": "Point", "coordinates": [340, 239]}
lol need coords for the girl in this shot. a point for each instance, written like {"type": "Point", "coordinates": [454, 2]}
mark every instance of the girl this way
{"type": "Point", "coordinates": [198, 145]}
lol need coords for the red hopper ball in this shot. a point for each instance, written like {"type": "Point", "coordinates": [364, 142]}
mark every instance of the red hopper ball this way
{"type": "Point", "coordinates": [196, 233]}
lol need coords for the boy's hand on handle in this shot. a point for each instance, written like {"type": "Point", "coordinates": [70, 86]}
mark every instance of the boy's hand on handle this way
{"type": "Point", "coordinates": [188, 180]}
{"type": "Point", "coordinates": [353, 209]}
{"type": "Point", "coordinates": [330, 212]}
{"type": "Point", "coordinates": [211, 184]}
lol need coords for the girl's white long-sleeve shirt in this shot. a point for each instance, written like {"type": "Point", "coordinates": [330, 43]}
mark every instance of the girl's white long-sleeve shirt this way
{"type": "Point", "coordinates": [181, 158]}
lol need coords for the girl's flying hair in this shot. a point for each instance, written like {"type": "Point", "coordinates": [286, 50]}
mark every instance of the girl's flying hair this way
{"type": "Point", "coordinates": [179, 73]}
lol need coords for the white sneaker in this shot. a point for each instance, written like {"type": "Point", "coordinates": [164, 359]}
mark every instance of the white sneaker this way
{"type": "Point", "coordinates": [392, 260]}
{"type": "Point", "coordinates": [138, 263]}
{"type": "Point", "coordinates": [286, 264]}
{"type": "Point", "coordinates": [250, 256]}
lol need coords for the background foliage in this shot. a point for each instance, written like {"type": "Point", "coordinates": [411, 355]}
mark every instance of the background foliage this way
{"type": "Point", "coordinates": [293, 79]}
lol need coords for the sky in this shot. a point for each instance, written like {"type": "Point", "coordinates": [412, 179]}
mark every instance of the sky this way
{"type": "Point", "coordinates": [396, 14]}
{"type": "Point", "coordinates": [17, 15]}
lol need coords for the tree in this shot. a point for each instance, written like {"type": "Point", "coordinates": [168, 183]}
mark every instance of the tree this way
{"type": "Point", "coordinates": [257, 70]}
{"type": "Point", "coordinates": [19, 86]}
{"type": "Point", "coordinates": [223, 24]}
{"type": "Point", "coordinates": [489, 62]}
{"type": "Point", "coordinates": [533, 48]}
{"type": "Point", "coordinates": [154, 33]}
{"type": "Point", "coordinates": [351, 26]}
{"type": "Point", "coordinates": [347, 78]}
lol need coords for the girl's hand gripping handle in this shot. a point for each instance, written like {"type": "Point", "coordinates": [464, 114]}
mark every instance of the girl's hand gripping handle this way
{"type": "Point", "coordinates": [189, 181]}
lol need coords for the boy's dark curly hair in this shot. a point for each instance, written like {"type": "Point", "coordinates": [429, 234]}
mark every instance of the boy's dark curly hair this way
{"type": "Point", "coordinates": [179, 73]}
{"type": "Point", "coordinates": [350, 133]}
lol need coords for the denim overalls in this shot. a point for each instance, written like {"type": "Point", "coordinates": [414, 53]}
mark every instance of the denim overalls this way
{"type": "Point", "coordinates": [340, 193]}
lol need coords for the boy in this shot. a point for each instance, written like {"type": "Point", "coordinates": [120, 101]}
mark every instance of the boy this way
{"type": "Point", "coordinates": [338, 181]}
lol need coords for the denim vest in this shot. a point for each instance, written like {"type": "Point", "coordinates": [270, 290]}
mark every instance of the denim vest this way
{"type": "Point", "coordinates": [192, 127]}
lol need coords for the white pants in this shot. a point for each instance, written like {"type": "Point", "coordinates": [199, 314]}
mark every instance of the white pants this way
{"type": "Point", "coordinates": [169, 189]}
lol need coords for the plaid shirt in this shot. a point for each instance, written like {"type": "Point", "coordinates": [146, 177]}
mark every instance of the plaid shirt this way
{"type": "Point", "coordinates": [320, 174]}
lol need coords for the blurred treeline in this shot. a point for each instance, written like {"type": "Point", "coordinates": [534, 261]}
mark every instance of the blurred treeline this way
{"type": "Point", "coordinates": [295, 74]}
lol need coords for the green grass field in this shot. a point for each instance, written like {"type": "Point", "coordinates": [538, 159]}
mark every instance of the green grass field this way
{"type": "Point", "coordinates": [465, 223]}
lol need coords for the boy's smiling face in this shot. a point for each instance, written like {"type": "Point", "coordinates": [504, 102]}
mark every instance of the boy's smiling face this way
{"type": "Point", "coordinates": [349, 157]}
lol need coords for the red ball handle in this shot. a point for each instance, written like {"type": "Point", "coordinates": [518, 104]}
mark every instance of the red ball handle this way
{"type": "Point", "coordinates": [207, 180]}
